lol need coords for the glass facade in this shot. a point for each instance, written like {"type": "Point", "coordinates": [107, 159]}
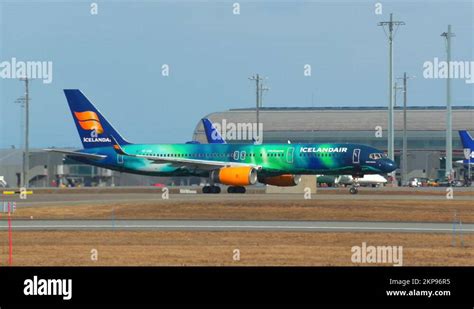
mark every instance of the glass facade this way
{"type": "Point", "coordinates": [421, 140]}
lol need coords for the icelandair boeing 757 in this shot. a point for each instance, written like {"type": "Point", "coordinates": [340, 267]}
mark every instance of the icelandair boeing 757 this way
{"type": "Point", "coordinates": [468, 145]}
{"type": "Point", "coordinates": [235, 165]}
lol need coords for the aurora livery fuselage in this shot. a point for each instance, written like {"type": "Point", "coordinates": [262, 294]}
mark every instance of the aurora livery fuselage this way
{"type": "Point", "coordinates": [231, 164]}
{"type": "Point", "coordinates": [272, 159]}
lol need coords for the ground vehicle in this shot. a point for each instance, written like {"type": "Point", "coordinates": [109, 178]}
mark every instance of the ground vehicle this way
{"type": "Point", "coordinates": [414, 182]}
{"type": "Point", "coordinates": [3, 183]}
{"type": "Point", "coordinates": [433, 183]}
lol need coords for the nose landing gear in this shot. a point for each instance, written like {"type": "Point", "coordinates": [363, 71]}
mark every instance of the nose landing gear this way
{"type": "Point", "coordinates": [353, 190]}
{"type": "Point", "coordinates": [355, 184]}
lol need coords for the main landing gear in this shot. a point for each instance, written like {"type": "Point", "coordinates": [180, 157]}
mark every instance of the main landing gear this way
{"type": "Point", "coordinates": [216, 189]}
{"type": "Point", "coordinates": [211, 189]}
{"type": "Point", "coordinates": [236, 189]}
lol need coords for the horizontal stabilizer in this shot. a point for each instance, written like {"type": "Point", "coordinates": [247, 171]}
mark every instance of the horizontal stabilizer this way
{"type": "Point", "coordinates": [78, 154]}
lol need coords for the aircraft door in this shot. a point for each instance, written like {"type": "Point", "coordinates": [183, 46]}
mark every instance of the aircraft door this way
{"type": "Point", "coordinates": [356, 156]}
{"type": "Point", "coordinates": [120, 159]}
{"type": "Point", "coordinates": [289, 154]}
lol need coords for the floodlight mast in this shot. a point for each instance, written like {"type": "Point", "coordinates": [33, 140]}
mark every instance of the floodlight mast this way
{"type": "Point", "coordinates": [259, 98]}
{"type": "Point", "coordinates": [392, 25]}
{"type": "Point", "coordinates": [449, 124]}
{"type": "Point", "coordinates": [26, 153]}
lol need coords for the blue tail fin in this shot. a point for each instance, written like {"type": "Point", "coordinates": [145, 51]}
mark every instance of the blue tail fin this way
{"type": "Point", "coordinates": [466, 140]}
{"type": "Point", "coordinates": [467, 143]}
{"type": "Point", "coordinates": [93, 128]}
{"type": "Point", "coordinates": [212, 135]}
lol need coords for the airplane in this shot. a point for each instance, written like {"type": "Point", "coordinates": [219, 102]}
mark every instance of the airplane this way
{"type": "Point", "coordinates": [467, 143]}
{"type": "Point", "coordinates": [235, 165]}
{"type": "Point", "coordinates": [213, 137]}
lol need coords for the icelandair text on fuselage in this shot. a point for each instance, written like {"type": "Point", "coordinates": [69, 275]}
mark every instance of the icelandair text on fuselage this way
{"type": "Point", "coordinates": [319, 149]}
{"type": "Point", "coordinates": [61, 287]}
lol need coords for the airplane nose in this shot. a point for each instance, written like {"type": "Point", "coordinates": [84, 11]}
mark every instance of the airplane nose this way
{"type": "Point", "coordinates": [389, 166]}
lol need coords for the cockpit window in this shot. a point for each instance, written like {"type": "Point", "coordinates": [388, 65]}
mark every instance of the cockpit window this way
{"type": "Point", "coordinates": [376, 156]}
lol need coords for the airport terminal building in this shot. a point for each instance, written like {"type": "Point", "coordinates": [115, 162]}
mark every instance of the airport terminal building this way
{"type": "Point", "coordinates": [426, 130]}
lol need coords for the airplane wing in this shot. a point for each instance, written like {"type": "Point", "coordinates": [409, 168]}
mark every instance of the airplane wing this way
{"type": "Point", "coordinates": [196, 163]}
{"type": "Point", "coordinates": [78, 154]}
{"type": "Point", "coordinates": [463, 162]}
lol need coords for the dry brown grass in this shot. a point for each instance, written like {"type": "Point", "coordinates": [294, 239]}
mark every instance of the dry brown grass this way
{"type": "Point", "coordinates": [124, 248]}
{"type": "Point", "coordinates": [367, 210]}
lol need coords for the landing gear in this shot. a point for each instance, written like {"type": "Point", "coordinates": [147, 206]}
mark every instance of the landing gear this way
{"type": "Point", "coordinates": [355, 184]}
{"type": "Point", "coordinates": [211, 189]}
{"type": "Point", "coordinates": [353, 190]}
{"type": "Point", "coordinates": [236, 189]}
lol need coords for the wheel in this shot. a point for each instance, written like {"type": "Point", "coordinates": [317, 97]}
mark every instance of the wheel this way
{"type": "Point", "coordinates": [234, 189]}
{"type": "Point", "coordinates": [206, 189]}
{"type": "Point", "coordinates": [215, 189]}
{"type": "Point", "coordinates": [353, 190]}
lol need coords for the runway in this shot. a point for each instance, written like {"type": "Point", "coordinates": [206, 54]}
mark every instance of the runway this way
{"type": "Point", "coordinates": [103, 198]}
{"type": "Point", "coordinates": [236, 225]}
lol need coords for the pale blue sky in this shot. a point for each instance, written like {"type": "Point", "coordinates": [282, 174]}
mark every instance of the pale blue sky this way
{"type": "Point", "coordinates": [115, 58]}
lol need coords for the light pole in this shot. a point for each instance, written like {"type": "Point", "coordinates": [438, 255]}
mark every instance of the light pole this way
{"type": "Point", "coordinates": [259, 88]}
{"type": "Point", "coordinates": [262, 89]}
{"type": "Point", "coordinates": [392, 25]}
{"type": "Point", "coordinates": [26, 154]}
{"type": "Point", "coordinates": [405, 137]}
{"type": "Point", "coordinates": [395, 89]}
{"type": "Point", "coordinates": [449, 127]}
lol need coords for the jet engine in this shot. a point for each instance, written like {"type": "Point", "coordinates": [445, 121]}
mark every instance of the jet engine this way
{"type": "Point", "coordinates": [286, 180]}
{"type": "Point", "coordinates": [235, 176]}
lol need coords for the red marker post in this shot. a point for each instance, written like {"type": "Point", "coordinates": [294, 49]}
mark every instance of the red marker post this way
{"type": "Point", "coordinates": [10, 244]}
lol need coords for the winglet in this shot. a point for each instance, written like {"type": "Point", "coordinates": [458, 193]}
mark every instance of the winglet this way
{"type": "Point", "coordinates": [118, 149]}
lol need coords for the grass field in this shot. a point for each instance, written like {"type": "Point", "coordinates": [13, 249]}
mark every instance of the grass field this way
{"type": "Point", "coordinates": [65, 248]}
{"type": "Point", "coordinates": [350, 210]}
{"type": "Point", "coordinates": [127, 248]}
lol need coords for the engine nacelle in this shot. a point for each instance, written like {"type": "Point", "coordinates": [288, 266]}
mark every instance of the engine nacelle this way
{"type": "Point", "coordinates": [286, 180]}
{"type": "Point", "coordinates": [235, 176]}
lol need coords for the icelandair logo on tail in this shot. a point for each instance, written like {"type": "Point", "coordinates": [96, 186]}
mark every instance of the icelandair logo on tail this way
{"type": "Point", "coordinates": [89, 120]}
